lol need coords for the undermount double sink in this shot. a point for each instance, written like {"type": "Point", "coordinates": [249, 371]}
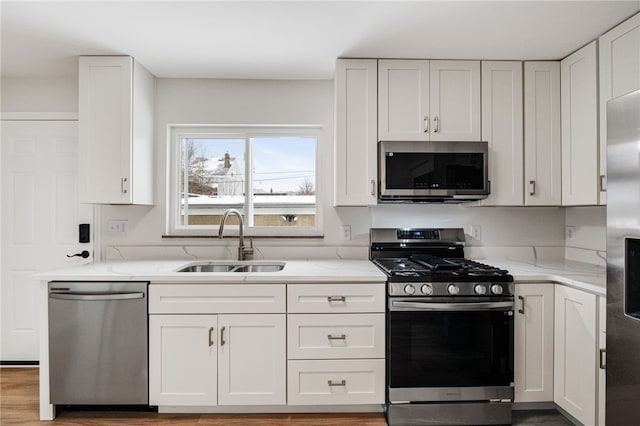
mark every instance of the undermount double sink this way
{"type": "Point", "coordinates": [233, 266]}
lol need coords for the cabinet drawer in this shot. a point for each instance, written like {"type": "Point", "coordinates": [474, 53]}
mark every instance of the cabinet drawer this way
{"type": "Point", "coordinates": [335, 298]}
{"type": "Point", "coordinates": [336, 382]}
{"type": "Point", "coordinates": [217, 298]}
{"type": "Point", "coordinates": [322, 336]}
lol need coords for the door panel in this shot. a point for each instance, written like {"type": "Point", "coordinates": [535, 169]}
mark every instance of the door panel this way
{"type": "Point", "coordinates": [40, 217]}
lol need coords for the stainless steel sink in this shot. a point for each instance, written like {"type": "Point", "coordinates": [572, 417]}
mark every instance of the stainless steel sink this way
{"type": "Point", "coordinates": [225, 266]}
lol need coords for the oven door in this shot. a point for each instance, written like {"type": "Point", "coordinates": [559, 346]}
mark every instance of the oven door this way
{"type": "Point", "coordinates": [448, 349]}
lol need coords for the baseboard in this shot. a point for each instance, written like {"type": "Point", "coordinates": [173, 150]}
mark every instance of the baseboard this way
{"type": "Point", "coordinates": [19, 363]}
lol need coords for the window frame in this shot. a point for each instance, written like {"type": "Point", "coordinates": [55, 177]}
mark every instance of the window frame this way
{"type": "Point", "coordinates": [174, 162]}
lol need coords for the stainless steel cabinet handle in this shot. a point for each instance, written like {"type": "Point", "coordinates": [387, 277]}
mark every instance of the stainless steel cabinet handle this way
{"type": "Point", "coordinates": [222, 342]}
{"type": "Point", "coordinates": [603, 359]}
{"type": "Point", "coordinates": [426, 123]}
{"type": "Point", "coordinates": [340, 337]}
{"type": "Point", "coordinates": [336, 299]}
{"type": "Point", "coordinates": [343, 382]}
{"type": "Point", "coordinates": [96, 296]}
{"type": "Point", "coordinates": [603, 183]}
{"type": "Point", "coordinates": [436, 124]}
{"type": "Point", "coordinates": [521, 310]}
{"type": "Point", "coordinates": [532, 187]}
{"type": "Point", "coordinates": [123, 181]}
{"type": "Point", "coordinates": [373, 187]}
{"type": "Point", "coordinates": [211, 336]}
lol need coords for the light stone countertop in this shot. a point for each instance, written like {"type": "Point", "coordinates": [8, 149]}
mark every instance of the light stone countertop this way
{"type": "Point", "coordinates": [584, 276]}
{"type": "Point", "coordinates": [164, 271]}
{"type": "Point", "coordinates": [580, 275]}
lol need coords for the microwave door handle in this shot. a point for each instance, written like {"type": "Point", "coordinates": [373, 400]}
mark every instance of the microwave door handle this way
{"type": "Point", "coordinates": [431, 306]}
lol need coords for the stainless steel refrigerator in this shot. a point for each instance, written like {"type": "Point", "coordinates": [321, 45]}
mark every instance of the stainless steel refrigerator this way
{"type": "Point", "coordinates": [623, 261]}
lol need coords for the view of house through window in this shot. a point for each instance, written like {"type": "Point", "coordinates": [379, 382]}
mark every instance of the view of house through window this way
{"type": "Point", "coordinates": [270, 179]}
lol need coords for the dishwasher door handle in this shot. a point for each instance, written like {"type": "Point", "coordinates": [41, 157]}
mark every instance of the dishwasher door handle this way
{"type": "Point", "coordinates": [96, 296]}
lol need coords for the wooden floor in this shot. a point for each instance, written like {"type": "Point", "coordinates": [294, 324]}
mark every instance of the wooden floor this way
{"type": "Point", "coordinates": [19, 406]}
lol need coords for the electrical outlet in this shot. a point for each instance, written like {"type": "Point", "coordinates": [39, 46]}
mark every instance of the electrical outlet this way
{"type": "Point", "coordinates": [345, 232]}
{"type": "Point", "coordinates": [571, 231]}
{"type": "Point", "coordinates": [119, 227]}
{"type": "Point", "coordinates": [476, 232]}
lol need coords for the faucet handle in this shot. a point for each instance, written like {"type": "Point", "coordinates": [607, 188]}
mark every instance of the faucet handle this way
{"type": "Point", "coordinates": [247, 252]}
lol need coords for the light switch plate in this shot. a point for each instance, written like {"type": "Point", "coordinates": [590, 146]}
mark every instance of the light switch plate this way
{"type": "Point", "coordinates": [118, 227]}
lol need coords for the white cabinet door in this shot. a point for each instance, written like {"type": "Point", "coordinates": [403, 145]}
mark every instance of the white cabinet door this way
{"type": "Point", "coordinates": [356, 132]}
{"type": "Point", "coordinates": [252, 359]}
{"type": "Point", "coordinates": [619, 63]}
{"type": "Point", "coordinates": [502, 129]}
{"type": "Point", "coordinates": [575, 360]}
{"type": "Point", "coordinates": [580, 173]}
{"type": "Point", "coordinates": [454, 102]}
{"type": "Point", "coordinates": [115, 113]}
{"type": "Point", "coordinates": [534, 342]}
{"type": "Point", "coordinates": [183, 360]}
{"type": "Point", "coordinates": [542, 144]}
{"type": "Point", "coordinates": [403, 100]}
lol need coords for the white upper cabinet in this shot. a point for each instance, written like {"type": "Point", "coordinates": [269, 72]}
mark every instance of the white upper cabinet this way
{"type": "Point", "coordinates": [455, 100]}
{"type": "Point", "coordinates": [502, 129]}
{"type": "Point", "coordinates": [116, 110]}
{"type": "Point", "coordinates": [356, 132]}
{"type": "Point", "coordinates": [542, 144]}
{"type": "Point", "coordinates": [428, 100]}
{"type": "Point", "coordinates": [619, 63]}
{"type": "Point", "coordinates": [580, 149]}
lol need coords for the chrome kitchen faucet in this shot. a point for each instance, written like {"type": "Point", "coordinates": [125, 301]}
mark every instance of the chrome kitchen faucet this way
{"type": "Point", "coordinates": [243, 252]}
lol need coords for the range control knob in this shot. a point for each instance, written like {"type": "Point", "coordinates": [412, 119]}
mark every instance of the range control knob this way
{"type": "Point", "coordinates": [496, 289]}
{"type": "Point", "coordinates": [453, 289]}
{"type": "Point", "coordinates": [480, 289]}
{"type": "Point", "coordinates": [427, 289]}
{"type": "Point", "coordinates": [409, 289]}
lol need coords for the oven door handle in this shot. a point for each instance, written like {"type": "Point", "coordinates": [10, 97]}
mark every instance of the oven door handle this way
{"type": "Point", "coordinates": [431, 306]}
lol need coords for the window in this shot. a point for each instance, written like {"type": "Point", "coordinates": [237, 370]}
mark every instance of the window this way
{"type": "Point", "coordinates": [269, 174]}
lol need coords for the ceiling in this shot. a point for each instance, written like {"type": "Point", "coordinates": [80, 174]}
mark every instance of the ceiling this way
{"type": "Point", "coordinates": [291, 39]}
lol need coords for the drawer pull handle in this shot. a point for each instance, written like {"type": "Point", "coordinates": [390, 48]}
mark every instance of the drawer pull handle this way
{"type": "Point", "coordinates": [336, 299]}
{"type": "Point", "coordinates": [340, 337]}
{"type": "Point", "coordinates": [343, 382]}
{"type": "Point", "coordinates": [521, 310]}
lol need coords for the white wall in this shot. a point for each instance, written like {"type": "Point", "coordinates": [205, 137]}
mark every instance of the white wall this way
{"type": "Point", "coordinates": [39, 94]}
{"type": "Point", "coordinates": [589, 228]}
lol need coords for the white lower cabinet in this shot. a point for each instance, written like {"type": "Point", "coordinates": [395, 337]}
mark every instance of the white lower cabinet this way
{"type": "Point", "coordinates": [575, 360]}
{"type": "Point", "coordinates": [534, 342]}
{"type": "Point", "coordinates": [204, 360]}
{"type": "Point", "coordinates": [183, 357]}
{"type": "Point", "coordinates": [602, 345]}
{"type": "Point", "coordinates": [336, 382]}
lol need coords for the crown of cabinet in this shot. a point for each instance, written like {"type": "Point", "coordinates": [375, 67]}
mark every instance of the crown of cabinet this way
{"type": "Point", "coordinates": [116, 128]}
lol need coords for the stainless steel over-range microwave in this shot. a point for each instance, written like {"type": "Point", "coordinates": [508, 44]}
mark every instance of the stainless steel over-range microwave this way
{"type": "Point", "coordinates": [419, 171]}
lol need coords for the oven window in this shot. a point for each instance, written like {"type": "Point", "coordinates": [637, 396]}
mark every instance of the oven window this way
{"type": "Point", "coordinates": [434, 171]}
{"type": "Point", "coordinates": [450, 349]}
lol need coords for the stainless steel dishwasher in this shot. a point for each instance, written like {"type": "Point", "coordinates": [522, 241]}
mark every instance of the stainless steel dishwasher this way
{"type": "Point", "coordinates": [98, 343]}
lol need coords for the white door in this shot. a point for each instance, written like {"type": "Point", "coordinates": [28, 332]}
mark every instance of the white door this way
{"type": "Point", "coordinates": [252, 359]}
{"type": "Point", "coordinates": [575, 349]}
{"type": "Point", "coordinates": [183, 360]}
{"type": "Point", "coordinates": [40, 218]}
{"type": "Point", "coordinates": [403, 100]}
{"type": "Point", "coordinates": [534, 342]}
{"type": "Point", "coordinates": [454, 102]}
{"type": "Point", "coordinates": [502, 129]}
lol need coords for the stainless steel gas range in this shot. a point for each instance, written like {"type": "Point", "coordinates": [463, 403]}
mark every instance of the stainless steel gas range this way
{"type": "Point", "coordinates": [449, 330]}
